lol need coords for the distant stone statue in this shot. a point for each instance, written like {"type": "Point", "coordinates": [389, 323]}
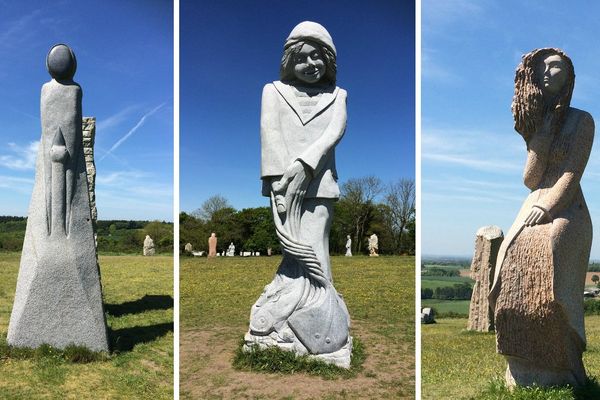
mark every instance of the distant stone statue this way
{"type": "Point", "coordinates": [373, 246]}
{"type": "Point", "coordinates": [148, 246]}
{"type": "Point", "coordinates": [303, 117]}
{"type": "Point", "coordinates": [212, 245]}
{"type": "Point", "coordinates": [487, 244]}
{"type": "Point", "coordinates": [231, 250]}
{"type": "Point", "coordinates": [58, 299]}
{"type": "Point", "coordinates": [348, 246]}
{"type": "Point", "coordinates": [427, 316]}
{"type": "Point", "coordinates": [542, 263]}
{"type": "Point", "coordinates": [188, 248]}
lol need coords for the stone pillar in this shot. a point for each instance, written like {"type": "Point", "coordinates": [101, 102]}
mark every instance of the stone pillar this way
{"type": "Point", "coordinates": [487, 244]}
{"type": "Point", "coordinates": [89, 135]}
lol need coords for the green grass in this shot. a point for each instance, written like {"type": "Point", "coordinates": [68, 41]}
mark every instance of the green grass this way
{"type": "Point", "coordinates": [276, 360]}
{"type": "Point", "coordinates": [458, 364]}
{"type": "Point", "coordinates": [433, 282]}
{"type": "Point", "coordinates": [216, 297]}
{"type": "Point", "coordinates": [139, 306]}
{"type": "Point", "coordinates": [447, 306]}
{"type": "Point", "coordinates": [449, 266]}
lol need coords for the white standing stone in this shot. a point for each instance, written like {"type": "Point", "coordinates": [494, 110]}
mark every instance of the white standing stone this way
{"type": "Point", "coordinates": [148, 246]}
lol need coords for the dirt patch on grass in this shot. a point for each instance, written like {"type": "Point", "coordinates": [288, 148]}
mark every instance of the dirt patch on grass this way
{"type": "Point", "coordinates": [207, 373]}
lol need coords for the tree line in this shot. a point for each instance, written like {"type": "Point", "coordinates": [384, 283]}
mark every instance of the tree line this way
{"type": "Point", "coordinates": [366, 206]}
{"type": "Point", "coordinates": [114, 236]}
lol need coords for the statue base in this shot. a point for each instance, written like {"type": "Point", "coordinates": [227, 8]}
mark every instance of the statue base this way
{"type": "Point", "coordinates": [340, 358]}
{"type": "Point", "coordinates": [523, 373]}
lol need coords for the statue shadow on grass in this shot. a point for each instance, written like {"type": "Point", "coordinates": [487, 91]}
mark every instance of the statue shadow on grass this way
{"type": "Point", "coordinates": [125, 339]}
{"type": "Point", "coordinates": [146, 303]}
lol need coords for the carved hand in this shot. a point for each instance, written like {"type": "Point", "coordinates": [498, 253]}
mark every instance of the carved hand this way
{"type": "Point", "coordinates": [290, 173]}
{"type": "Point", "coordinates": [537, 216]}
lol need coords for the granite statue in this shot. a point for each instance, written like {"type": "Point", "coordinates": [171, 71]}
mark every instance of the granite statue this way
{"type": "Point", "coordinates": [148, 249]}
{"type": "Point", "coordinates": [542, 262]}
{"type": "Point", "coordinates": [230, 250]}
{"type": "Point", "coordinates": [487, 244]}
{"type": "Point", "coordinates": [348, 246]}
{"type": "Point", "coordinates": [212, 245]}
{"type": "Point", "coordinates": [373, 246]}
{"type": "Point", "coordinates": [303, 117]}
{"type": "Point", "coordinates": [58, 299]}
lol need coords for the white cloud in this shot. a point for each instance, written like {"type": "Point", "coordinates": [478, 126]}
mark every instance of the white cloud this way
{"type": "Point", "coordinates": [23, 157]}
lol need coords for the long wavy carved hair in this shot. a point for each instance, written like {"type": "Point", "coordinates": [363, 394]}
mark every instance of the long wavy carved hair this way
{"type": "Point", "coordinates": [286, 70]}
{"type": "Point", "coordinates": [530, 106]}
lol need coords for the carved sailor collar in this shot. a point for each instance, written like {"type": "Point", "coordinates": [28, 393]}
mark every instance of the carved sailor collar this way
{"type": "Point", "coordinates": [326, 98]}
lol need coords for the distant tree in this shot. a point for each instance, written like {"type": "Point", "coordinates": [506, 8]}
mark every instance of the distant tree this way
{"type": "Point", "coordinates": [357, 199]}
{"type": "Point", "coordinates": [595, 279]}
{"type": "Point", "coordinates": [400, 199]}
{"type": "Point", "coordinates": [211, 206]}
{"type": "Point", "coordinates": [160, 232]}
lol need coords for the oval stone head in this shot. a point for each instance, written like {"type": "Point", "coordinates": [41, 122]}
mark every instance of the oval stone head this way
{"type": "Point", "coordinates": [553, 74]}
{"type": "Point", "coordinates": [61, 62]}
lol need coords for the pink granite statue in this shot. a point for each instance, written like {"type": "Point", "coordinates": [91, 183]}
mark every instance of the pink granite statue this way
{"type": "Point", "coordinates": [541, 266]}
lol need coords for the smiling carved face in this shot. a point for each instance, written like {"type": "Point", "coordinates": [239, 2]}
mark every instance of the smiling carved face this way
{"type": "Point", "coordinates": [309, 65]}
{"type": "Point", "coordinates": [553, 74]}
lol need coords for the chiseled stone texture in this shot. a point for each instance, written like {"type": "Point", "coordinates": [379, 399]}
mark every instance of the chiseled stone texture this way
{"type": "Point", "coordinates": [89, 137]}
{"type": "Point", "coordinates": [539, 279]}
{"type": "Point", "coordinates": [487, 244]}
{"type": "Point", "coordinates": [303, 117]}
{"type": "Point", "coordinates": [58, 299]}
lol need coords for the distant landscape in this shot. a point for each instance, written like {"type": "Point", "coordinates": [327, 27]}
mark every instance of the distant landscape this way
{"type": "Point", "coordinates": [115, 237]}
{"type": "Point", "coordinates": [446, 285]}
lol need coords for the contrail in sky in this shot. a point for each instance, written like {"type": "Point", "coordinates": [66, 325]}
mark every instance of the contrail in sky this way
{"type": "Point", "coordinates": [132, 130]}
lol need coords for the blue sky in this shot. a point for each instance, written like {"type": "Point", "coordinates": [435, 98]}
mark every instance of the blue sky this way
{"type": "Point", "coordinates": [472, 159]}
{"type": "Point", "coordinates": [124, 53]}
{"type": "Point", "coordinates": [230, 49]}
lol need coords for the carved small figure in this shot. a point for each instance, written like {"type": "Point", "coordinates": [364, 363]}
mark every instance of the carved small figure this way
{"type": "Point", "coordinates": [348, 246]}
{"type": "Point", "coordinates": [373, 245]}
{"type": "Point", "coordinates": [303, 117]}
{"type": "Point", "coordinates": [58, 300]}
{"type": "Point", "coordinates": [231, 250]}
{"type": "Point", "coordinates": [148, 246]}
{"type": "Point", "coordinates": [539, 279]}
{"type": "Point", "coordinates": [212, 245]}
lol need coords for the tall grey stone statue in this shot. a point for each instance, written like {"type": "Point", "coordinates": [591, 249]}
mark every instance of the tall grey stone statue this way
{"type": "Point", "coordinates": [58, 299]}
{"type": "Point", "coordinates": [303, 117]}
{"type": "Point", "coordinates": [537, 292]}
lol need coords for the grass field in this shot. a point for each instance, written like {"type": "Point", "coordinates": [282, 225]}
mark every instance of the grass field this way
{"type": "Point", "coordinates": [216, 297]}
{"type": "Point", "coordinates": [457, 364]}
{"type": "Point", "coordinates": [439, 281]}
{"type": "Point", "coordinates": [138, 296]}
{"type": "Point", "coordinates": [446, 306]}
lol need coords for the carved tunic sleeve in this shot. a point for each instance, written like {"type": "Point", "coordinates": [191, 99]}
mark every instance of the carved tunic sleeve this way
{"type": "Point", "coordinates": [566, 187]}
{"type": "Point", "coordinates": [314, 156]}
{"type": "Point", "coordinates": [272, 146]}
